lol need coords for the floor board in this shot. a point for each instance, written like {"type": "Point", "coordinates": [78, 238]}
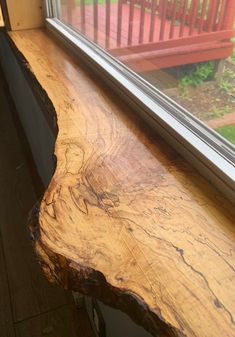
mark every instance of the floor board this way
{"type": "Point", "coordinates": [7, 331]}
{"type": "Point", "coordinates": [55, 324]}
{"type": "Point", "coordinates": [28, 302]}
{"type": "Point", "coordinates": [30, 292]}
{"type": "Point", "coordinates": [5, 306]}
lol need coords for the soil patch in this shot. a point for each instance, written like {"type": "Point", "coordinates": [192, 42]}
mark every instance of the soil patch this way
{"type": "Point", "coordinates": [210, 100]}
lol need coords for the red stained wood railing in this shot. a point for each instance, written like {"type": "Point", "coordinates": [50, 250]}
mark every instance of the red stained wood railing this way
{"type": "Point", "coordinates": [83, 19]}
{"type": "Point", "coordinates": [183, 18]}
{"type": "Point", "coordinates": [70, 7]}
{"type": "Point", "coordinates": [201, 20]}
{"type": "Point", "coordinates": [107, 25]}
{"type": "Point", "coordinates": [174, 43]}
{"type": "Point", "coordinates": [193, 16]}
{"type": "Point", "coordinates": [212, 15]}
{"type": "Point", "coordinates": [162, 14]}
{"type": "Point", "coordinates": [95, 16]}
{"type": "Point", "coordinates": [152, 21]}
{"type": "Point", "coordinates": [222, 14]}
{"type": "Point", "coordinates": [131, 18]}
{"type": "Point", "coordinates": [119, 22]}
{"type": "Point", "coordinates": [172, 27]}
{"type": "Point", "coordinates": [142, 19]}
{"type": "Point", "coordinates": [228, 20]}
{"type": "Point", "coordinates": [180, 6]}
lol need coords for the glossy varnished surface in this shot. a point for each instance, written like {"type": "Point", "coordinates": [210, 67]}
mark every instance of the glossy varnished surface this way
{"type": "Point", "coordinates": [124, 204]}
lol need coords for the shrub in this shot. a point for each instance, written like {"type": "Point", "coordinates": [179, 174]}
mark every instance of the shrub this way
{"type": "Point", "coordinates": [195, 74]}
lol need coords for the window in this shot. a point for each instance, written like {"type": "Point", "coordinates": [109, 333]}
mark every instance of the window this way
{"type": "Point", "coordinates": [173, 60]}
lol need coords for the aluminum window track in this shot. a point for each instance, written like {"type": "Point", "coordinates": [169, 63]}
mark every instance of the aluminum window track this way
{"type": "Point", "coordinates": [206, 150]}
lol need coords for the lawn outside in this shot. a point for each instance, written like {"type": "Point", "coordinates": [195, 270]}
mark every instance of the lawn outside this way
{"type": "Point", "coordinates": [227, 132]}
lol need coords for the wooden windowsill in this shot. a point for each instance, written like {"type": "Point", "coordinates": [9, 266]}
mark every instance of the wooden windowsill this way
{"type": "Point", "coordinates": [125, 218]}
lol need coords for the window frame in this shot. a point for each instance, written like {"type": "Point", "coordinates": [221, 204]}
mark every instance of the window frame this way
{"type": "Point", "coordinates": [206, 150]}
{"type": "Point", "coordinates": [5, 14]}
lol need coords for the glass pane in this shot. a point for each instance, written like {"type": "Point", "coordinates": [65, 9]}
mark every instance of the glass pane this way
{"type": "Point", "coordinates": [182, 47]}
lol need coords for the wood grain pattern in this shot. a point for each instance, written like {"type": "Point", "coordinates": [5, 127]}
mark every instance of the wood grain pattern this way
{"type": "Point", "coordinates": [25, 14]}
{"type": "Point", "coordinates": [125, 218]}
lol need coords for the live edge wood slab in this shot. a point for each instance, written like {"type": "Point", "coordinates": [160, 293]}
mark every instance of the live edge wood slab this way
{"type": "Point", "coordinates": [125, 219]}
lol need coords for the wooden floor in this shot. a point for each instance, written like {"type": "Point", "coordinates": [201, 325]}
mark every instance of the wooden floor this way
{"type": "Point", "coordinates": [101, 35]}
{"type": "Point", "coordinates": [29, 305]}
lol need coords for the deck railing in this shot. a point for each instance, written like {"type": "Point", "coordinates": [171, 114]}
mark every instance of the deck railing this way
{"type": "Point", "coordinates": [202, 15]}
{"type": "Point", "coordinates": [176, 19]}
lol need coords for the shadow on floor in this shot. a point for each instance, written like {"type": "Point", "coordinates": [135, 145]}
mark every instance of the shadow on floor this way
{"type": "Point", "coordinates": [29, 305]}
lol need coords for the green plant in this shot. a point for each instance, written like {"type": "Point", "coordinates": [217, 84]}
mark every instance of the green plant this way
{"type": "Point", "coordinates": [225, 86]}
{"type": "Point", "coordinates": [196, 74]}
{"type": "Point", "coordinates": [218, 112]}
{"type": "Point", "coordinates": [233, 54]}
{"type": "Point", "coordinates": [228, 74]}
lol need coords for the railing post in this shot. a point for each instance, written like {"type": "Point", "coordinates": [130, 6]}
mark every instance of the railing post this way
{"type": "Point", "coordinates": [95, 19]}
{"type": "Point", "coordinates": [83, 16]}
{"type": "Point", "coordinates": [212, 15]}
{"type": "Point", "coordinates": [119, 22]}
{"type": "Point", "coordinates": [107, 24]}
{"type": "Point", "coordinates": [70, 7]}
{"type": "Point", "coordinates": [228, 21]}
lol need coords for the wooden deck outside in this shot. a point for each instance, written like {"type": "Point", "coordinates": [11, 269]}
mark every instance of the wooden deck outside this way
{"type": "Point", "coordinates": [156, 34]}
{"type": "Point", "coordinates": [98, 35]}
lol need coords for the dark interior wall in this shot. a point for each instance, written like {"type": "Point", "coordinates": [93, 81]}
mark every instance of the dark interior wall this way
{"type": "Point", "coordinates": [117, 323]}
{"type": "Point", "coordinates": [39, 135]}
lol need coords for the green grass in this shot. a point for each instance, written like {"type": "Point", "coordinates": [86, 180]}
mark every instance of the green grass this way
{"type": "Point", "coordinates": [233, 55]}
{"type": "Point", "coordinates": [227, 132]}
{"type": "Point", "coordinates": [233, 39]}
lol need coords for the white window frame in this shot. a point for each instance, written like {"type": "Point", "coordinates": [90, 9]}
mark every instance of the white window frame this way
{"type": "Point", "coordinates": [206, 150]}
